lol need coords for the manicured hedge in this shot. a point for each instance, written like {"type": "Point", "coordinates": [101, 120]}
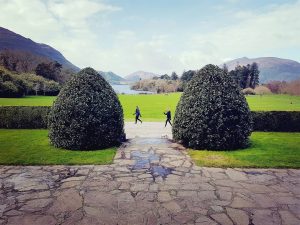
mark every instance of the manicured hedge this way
{"type": "Point", "coordinates": [212, 113]}
{"type": "Point", "coordinates": [24, 117]}
{"type": "Point", "coordinates": [285, 121]}
{"type": "Point", "coordinates": [35, 117]}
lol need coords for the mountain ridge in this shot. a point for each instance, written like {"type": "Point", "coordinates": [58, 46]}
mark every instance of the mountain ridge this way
{"type": "Point", "coordinates": [111, 77]}
{"type": "Point", "coordinates": [12, 41]}
{"type": "Point", "coordinates": [271, 68]}
{"type": "Point", "coordinates": [140, 74]}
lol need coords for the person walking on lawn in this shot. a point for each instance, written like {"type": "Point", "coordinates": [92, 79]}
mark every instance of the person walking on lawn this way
{"type": "Point", "coordinates": [137, 115]}
{"type": "Point", "coordinates": [168, 114]}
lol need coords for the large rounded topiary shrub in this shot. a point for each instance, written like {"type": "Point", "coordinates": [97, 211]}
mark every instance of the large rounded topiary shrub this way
{"type": "Point", "coordinates": [212, 112]}
{"type": "Point", "coordinates": [86, 114]}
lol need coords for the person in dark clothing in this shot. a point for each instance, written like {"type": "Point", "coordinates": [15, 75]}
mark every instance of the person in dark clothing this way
{"type": "Point", "coordinates": [168, 114]}
{"type": "Point", "coordinates": [137, 115]}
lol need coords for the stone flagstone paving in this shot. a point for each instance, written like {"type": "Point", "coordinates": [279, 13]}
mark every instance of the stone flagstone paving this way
{"type": "Point", "coordinates": [152, 181]}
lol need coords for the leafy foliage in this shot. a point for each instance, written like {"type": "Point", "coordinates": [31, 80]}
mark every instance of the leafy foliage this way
{"type": "Point", "coordinates": [174, 76]}
{"type": "Point", "coordinates": [262, 90]}
{"type": "Point", "coordinates": [248, 91]}
{"type": "Point", "coordinates": [212, 112]}
{"type": "Point", "coordinates": [283, 87]}
{"type": "Point", "coordinates": [157, 85]}
{"type": "Point", "coordinates": [276, 121]}
{"type": "Point", "coordinates": [188, 75]}
{"type": "Point", "coordinates": [26, 62]}
{"type": "Point", "coordinates": [246, 76]}
{"type": "Point", "coordinates": [87, 114]}
{"type": "Point", "coordinates": [48, 70]}
{"type": "Point", "coordinates": [17, 85]}
{"type": "Point", "coordinates": [24, 117]}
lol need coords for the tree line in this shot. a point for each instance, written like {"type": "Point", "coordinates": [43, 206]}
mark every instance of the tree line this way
{"type": "Point", "coordinates": [13, 85]}
{"type": "Point", "coordinates": [245, 76]}
{"type": "Point", "coordinates": [23, 73]}
{"type": "Point", "coordinates": [25, 62]}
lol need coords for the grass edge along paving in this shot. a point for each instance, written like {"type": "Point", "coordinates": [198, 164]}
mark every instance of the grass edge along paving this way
{"type": "Point", "coordinates": [32, 147]}
{"type": "Point", "coordinates": [267, 150]}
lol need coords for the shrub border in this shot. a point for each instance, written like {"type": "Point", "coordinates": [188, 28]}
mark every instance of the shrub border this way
{"type": "Point", "coordinates": [35, 117]}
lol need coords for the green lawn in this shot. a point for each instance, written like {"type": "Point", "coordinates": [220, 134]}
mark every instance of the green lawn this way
{"type": "Point", "coordinates": [268, 150]}
{"type": "Point", "coordinates": [28, 101]}
{"type": "Point", "coordinates": [31, 147]}
{"type": "Point", "coordinates": [153, 106]}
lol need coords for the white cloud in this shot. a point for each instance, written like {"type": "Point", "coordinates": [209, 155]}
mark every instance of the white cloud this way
{"type": "Point", "coordinates": [75, 13]}
{"type": "Point", "coordinates": [62, 24]}
{"type": "Point", "coordinates": [66, 25]}
{"type": "Point", "coordinates": [256, 34]}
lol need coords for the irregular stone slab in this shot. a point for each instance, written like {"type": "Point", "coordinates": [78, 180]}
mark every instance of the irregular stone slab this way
{"type": "Point", "coordinates": [193, 194]}
{"type": "Point", "coordinates": [288, 218]}
{"type": "Point", "coordinates": [70, 184]}
{"type": "Point", "coordinates": [72, 217]}
{"type": "Point", "coordinates": [146, 196]}
{"type": "Point", "coordinates": [295, 209]}
{"type": "Point", "coordinates": [172, 206]}
{"type": "Point", "coordinates": [239, 202]}
{"type": "Point", "coordinates": [289, 200]}
{"type": "Point", "coordinates": [263, 200]}
{"type": "Point", "coordinates": [99, 199]}
{"type": "Point", "coordinates": [227, 183]}
{"type": "Point", "coordinates": [31, 220]}
{"type": "Point", "coordinates": [33, 195]}
{"type": "Point", "coordinates": [2, 208]}
{"type": "Point", "coordinates": [163, 196]}
{"type": "Point", "coordinates": [238, 216]}
{"type": "Point", "coordinates": [67, 200]}
{"type": "Point", "coordinates": [225, 195]}
{"type": "Point", "coordinates": [265, 217]}
{"type": "Point", "coordinates": [222, 218]}
{"type": "Point", "coordinates": [217, 209]}
{"type": "Point", "coordinates": [184, 217]}
{"type": "Point", "coordinates": [36, 205]}
{"type": "Point", "coordinates": [206, 195]}
{"type": "Point", "coordinates": [203, 220]}
{"type": "Point", "coordinates": [236, 175]}
{"type": "Point", "coordinates": [257, 188]}
{"type": "Point", "coordinates": [139, 187]}
{"type": "Point", "coordinates": [24, 182]}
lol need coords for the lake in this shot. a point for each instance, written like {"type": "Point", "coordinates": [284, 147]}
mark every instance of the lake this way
{"type": "Point", "coordinates": [125, 89]}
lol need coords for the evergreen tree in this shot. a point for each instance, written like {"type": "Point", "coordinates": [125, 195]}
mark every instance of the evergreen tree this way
{"type": "Point", "coordinates": [254, 75]}
{"type": "Point", "coordinates": [174, 76]}
{"type": "Point", "coordinates": [212, 112]}
{"type": "Point", "coordinates": [187, 75]}
{"type": "Point", "coordinates": [87, 114]}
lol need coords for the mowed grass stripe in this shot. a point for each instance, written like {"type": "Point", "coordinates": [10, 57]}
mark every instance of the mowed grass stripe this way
{"type": "Point", "coordinates": [153, 106]}
{"type": "Point", "coordinates": [267, 150]}
{"type": "Point", "coordinates": [32, 147]}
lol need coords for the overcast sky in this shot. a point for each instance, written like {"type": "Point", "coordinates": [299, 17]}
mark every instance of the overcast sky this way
{"type": "Point", "coordinates": [160, 36]}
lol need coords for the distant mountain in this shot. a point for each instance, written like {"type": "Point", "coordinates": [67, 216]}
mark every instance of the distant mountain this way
{"type": "Point", "coordinates": [111, 77]}
{"type": "Point", "coordinates": [138, 75]}
{"type": "Point", "coordinates": [271, 68]}
{"type": "Point", "coordinates": [12, 41]}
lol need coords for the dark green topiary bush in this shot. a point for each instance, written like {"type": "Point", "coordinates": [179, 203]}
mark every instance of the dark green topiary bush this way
{"type": "Point", "coordinates": [87, 114]}
{"type": "Point", "coordinates": [212, 112]}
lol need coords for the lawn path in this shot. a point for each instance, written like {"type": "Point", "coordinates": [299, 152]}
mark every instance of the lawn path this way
{"type": "Point", "coordinates": [148, 129]}
{"type": "Point", "coordinates": [152, 181]}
